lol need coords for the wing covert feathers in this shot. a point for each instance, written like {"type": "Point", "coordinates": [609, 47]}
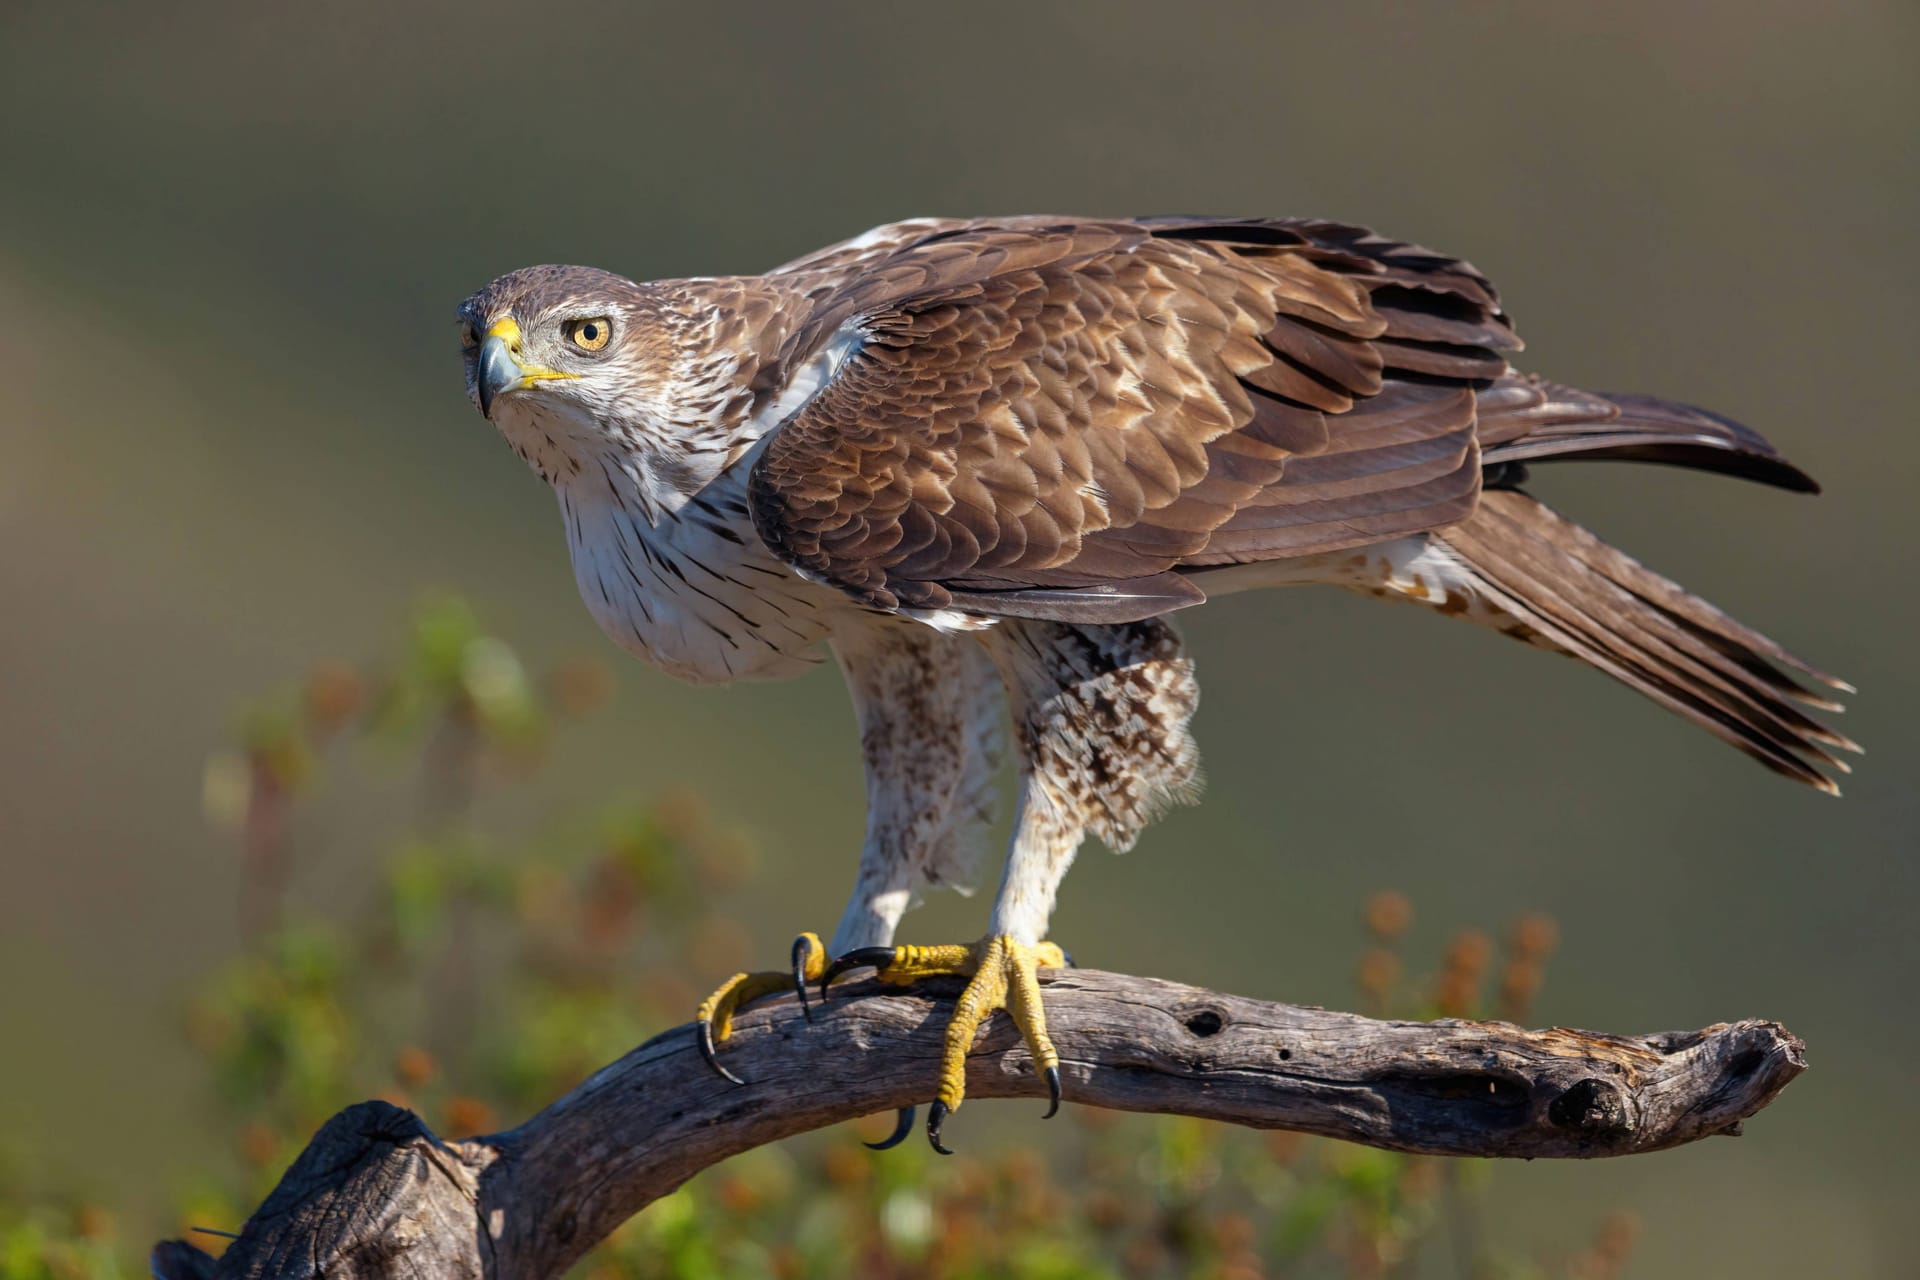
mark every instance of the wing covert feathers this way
{"type": "Point", "coordinates": [1050, 419]}
{"type": "Point", "coordinates": [1058, 418]}
{"type": "Point", "coordinates": [1576, 593]}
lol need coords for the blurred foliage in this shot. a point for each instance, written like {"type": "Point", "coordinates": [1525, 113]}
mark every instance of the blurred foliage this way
{"type": "Point", "coordinates": [578, 943]}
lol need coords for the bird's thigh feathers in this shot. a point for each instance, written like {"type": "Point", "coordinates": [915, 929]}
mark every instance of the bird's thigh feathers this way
{"type": "Point", "coordinates": [932, 730]}
{"type": "Point", "coordinates": [1100, 714]}
{"type": "Point", "coordinates": [1100, 717]}
{"type": "Point", "coordinates": [952, 860]}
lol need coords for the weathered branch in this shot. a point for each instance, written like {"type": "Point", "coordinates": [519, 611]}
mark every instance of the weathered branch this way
{"type": "Point", "coordinates": [376, 1195]}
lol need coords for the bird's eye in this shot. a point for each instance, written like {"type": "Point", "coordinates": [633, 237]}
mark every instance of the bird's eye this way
{"type": "Point", "coordinates": [468, 338]}
{"type": "Point", "coordinates": [590, 334]}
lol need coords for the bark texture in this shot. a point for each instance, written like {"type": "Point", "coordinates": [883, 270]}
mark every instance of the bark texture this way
{"type": "Point", "coordinates": [377, 1195]}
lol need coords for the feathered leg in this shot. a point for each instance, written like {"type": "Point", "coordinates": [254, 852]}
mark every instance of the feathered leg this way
{"type": "Point", "coordinates": [1100, 716]}
{"type": "Point", "coordinates": [932, 723]}
{"type": "Point", "coordinates": [931, 718]}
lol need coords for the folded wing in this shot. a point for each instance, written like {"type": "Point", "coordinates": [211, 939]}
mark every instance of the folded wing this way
{"type": "Point", "coordinates": [1057, 419]}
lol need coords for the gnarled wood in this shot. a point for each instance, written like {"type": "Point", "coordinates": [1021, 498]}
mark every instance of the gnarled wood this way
{"type": "Point", "coordinates": [377, 1195]}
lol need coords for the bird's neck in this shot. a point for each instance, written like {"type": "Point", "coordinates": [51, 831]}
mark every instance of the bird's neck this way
{"type": "Point", "coordinates": [649, 485]}
{"type": "Point", "coordinates": [682, 580]}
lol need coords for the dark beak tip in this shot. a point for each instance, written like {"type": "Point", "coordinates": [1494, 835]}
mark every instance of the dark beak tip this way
{"type": "Point", "coordinates": [497, 372]}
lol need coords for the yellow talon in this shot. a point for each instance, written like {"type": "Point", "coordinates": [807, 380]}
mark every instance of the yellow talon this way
{"type": "Point", "coordinates": [1004, 974]}
{"type": "Point", "coordinates": [714, 1019]}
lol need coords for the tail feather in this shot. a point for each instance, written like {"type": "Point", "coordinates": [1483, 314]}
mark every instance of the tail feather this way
{"type": "Point", "coordinates": [1580, 595]}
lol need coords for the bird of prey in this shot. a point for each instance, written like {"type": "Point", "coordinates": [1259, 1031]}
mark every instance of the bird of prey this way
{"type": "Point", "coordinates": [980, 462]}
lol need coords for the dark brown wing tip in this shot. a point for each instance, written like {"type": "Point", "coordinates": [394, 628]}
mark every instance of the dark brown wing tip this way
{"type": "Point", "coordinates": [1751, 455]}
{"type": "Point", "coordinates": [1779, 473]}
{"type": "Point", "coordinates": [1806, 483]}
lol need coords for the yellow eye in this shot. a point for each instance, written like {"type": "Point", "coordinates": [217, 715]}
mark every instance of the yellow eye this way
{"type": "Point", "coordinates": [591, 334]}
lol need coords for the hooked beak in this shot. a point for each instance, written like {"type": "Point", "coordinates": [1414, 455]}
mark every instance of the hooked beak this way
{"type": "Point", "coordinates": [499, 372]}
{"type": "Point", "coordinates": [500, 368]}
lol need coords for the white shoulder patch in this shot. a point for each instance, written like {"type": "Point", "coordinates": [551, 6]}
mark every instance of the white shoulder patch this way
{"type": "Point", "coordinates": [807, 381]}
{"type": "Point", "coordinates": [889, 233]}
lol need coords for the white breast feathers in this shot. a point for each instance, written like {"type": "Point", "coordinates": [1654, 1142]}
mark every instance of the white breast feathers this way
{"type": "Point", "coordinates": [694, 592]}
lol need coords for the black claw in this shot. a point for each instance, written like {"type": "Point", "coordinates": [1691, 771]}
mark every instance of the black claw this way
{"type": "Point", "coordinates": [1068, 957]}
{"type": "Point", "coordinates": [1053, 1091]}
{"type": "Point", "coordinates": [801, 949]}
{"type": "Point", "coordinates": [705, 1039]}
{"type": "Point", "coordinates": [858, 958]}
{"type": "Point", "coordinates": [899, 1134]}
{"type": "Point", "coordinates": [937, 1116]}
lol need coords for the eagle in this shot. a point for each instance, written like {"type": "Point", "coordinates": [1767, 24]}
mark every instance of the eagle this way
{"type": "Point", "coordinates": [980, 462]}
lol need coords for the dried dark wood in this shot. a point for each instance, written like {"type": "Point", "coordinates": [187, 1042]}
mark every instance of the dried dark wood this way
{"type": "Point", "coordinates": [377, 1195]}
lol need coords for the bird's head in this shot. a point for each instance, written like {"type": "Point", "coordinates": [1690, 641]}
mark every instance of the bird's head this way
{"type": "Point", "coordinates": [571, 364]}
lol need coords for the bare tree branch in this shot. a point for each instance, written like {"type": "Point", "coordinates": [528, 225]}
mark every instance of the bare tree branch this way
{"type": "Point", "coordinates": [377, 1195]}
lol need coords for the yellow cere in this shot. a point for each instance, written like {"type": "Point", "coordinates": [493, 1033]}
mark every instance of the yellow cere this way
{"type": "Point", "coordinates": [507, 329]}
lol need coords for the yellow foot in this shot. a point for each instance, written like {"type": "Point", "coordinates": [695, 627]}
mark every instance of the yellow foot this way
{"type": "Point", "coordinates": [714, 1021]}
{"type": "Point", "coordinates": [1004, 975]}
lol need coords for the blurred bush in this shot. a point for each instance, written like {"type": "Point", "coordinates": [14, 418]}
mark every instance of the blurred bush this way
{"type": "Point", "coordinates": [487, 975]}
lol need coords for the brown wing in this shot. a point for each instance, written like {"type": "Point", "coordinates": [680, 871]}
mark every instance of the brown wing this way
{"type": "Point", "coordinates": [1051, 418]}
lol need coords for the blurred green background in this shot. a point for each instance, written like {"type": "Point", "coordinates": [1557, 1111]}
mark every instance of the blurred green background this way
{"type": "Point", "coordinates": [234, 440]}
